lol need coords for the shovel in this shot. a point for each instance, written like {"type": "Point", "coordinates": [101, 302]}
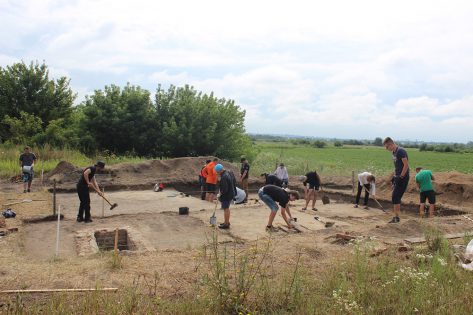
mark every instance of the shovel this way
{"type": "Point", "coordinates": [213, 218]}
{"type": "Point", "coordinates": [112, 206]}
{"type": "Point", "coordinates": [327, 224]}
{"type": "Point", "coordinates": [375, 200]}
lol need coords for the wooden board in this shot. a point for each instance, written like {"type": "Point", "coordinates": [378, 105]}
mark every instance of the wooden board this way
{"type": "Point", "coordinates": [419, 240]}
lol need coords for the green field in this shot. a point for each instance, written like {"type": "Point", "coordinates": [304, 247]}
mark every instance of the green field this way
{"type": "Point", "coordinates": [343, 160]}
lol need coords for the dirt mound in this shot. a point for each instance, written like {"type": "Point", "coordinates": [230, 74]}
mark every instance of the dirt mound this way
{"type": "Point", "coordinates": [145, 174]}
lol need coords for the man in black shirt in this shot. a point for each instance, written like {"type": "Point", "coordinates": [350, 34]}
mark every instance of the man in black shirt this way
{"type": "Point", "coordinates": [227, 193]}
{"type": "Point", "coordinates": [271, 194]}
{"type": "Point", "coordinates": [270, 179]}
{"type": "Point", "coordinates": [401, 176]}
{"type": "Point", "coordinates": [244, 174]}
{"type": "Point", "coordinates": [87, 180]}
{"type": "Point", "coordinates": [27, 160]}
{"type": "Point", "coordinates": [311, 183]}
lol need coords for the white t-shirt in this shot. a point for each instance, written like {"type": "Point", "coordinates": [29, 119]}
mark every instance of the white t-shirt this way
{"type": "Point", "coordinates": [363, 179]}
{"type": "Point", "coordinates": [240, 196]}
{"type": "Point", "coordinates": [281, 173]}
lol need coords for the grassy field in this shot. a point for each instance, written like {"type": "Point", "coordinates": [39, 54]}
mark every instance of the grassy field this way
{"type": "Point", "coordinates": [48, 159]}
{"type": "Point", "coordinates": [342, 161]}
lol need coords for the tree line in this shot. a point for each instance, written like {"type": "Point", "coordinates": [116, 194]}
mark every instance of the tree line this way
{"type": "Point", "coordinates": [177, 121]}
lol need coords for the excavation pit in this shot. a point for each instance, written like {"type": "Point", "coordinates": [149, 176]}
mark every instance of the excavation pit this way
{"type": "Point", "coordinates": [105, 240]}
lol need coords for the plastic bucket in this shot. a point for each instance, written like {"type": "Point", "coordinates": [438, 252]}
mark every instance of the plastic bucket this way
{"type": "Point", "coordinates": [183, 210]}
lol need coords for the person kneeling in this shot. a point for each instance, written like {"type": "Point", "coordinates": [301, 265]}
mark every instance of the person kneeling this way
{"type": "Point", "coordinates": [271, 194]}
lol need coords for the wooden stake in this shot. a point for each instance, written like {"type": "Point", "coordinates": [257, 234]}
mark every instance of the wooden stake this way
{"type": "Point", "coordinates": [56, 290]}
{"type": "Point", "coordinates": [115, 248]}
{"type": "Point", "coordinates": [353, 182]}
{"type": "Point", "coordinates": [57, 232]}
{"type": "Point", "coordinates": [54, 197]}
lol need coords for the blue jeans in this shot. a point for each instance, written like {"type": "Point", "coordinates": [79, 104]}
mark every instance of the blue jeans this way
{"type": "Point", "coordinates": [268, 200]}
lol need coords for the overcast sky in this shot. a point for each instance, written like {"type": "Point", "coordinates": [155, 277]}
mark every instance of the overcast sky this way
{"type": "Point", "coordinates": [344, 69]}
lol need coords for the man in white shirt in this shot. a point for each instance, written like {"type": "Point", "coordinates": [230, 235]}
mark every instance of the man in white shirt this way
{"type": "Point", "coordinates": [367, 182]}
{"type": "Point", "coordinates": [281, 173]}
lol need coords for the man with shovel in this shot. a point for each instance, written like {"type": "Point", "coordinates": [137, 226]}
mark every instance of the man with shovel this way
{"type": "Point", "coordinates": [227, 193]}
{"type": "Point", "coordinates": [87, 180]}
{"type": "Point", "coordinates": [367, 182]}
{"type": "Point", "coordinates": [271, 194]}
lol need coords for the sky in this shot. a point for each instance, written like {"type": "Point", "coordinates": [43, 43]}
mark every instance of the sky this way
{"type": "Point", "coordinates": [335, 69]}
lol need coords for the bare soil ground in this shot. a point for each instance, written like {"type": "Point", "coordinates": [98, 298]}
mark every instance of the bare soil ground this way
{"type": "Point", "coordinates": [168, 243]}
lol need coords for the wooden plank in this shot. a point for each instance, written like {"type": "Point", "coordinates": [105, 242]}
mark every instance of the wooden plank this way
{"type": "Point", "coordinates": [56, 290]}
{"type": "Point", "coordinates": [419, 240]}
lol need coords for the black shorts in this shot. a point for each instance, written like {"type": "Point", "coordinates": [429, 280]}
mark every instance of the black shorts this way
{"type": "Point", "coordinates": [210, 188]}
{"type": "Point", "coordinates": [311, 186]}
{"type": "Point", "coordinates": [429, 194]}
{"type": "Point", "coordinates": [400, 186]}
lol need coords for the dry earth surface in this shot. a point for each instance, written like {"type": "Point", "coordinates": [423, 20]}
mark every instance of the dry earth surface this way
{"type": "Point", "coordinates": [168, 245]}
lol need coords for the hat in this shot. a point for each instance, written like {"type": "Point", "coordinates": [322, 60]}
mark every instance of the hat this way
{"type": "Point", "coordinates": [218, 167]}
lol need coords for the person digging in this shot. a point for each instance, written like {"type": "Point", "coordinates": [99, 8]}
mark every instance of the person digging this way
{"type": "Point", "coordinates": [271, 194]}
{"type": "Point", "coordinates": [367, 182]}
{"type": "Point", "coordinates": [87, 180]}
{"type": "Point", "coordinates": [227, 193]}
{"type": "Point", "coordinates": [311, 182]}
{"type": "Point", "coordinates": [424, 180]}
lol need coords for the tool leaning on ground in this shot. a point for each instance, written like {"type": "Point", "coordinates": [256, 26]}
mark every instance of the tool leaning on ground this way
{"type": "Point", "coordinates": [382, 208]}
{"type": "Point", "coordinates": [213, 218]}
{"type": "Point", "coordinates": [327, 224]}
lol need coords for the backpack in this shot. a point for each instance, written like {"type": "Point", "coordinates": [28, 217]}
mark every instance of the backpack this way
{"type": "Point", "coordinates": [9, 213]}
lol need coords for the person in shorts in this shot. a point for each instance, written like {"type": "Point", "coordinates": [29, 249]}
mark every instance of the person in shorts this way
{"type": "Point", "coordinates": [311, 182]}
{"type": "Point", "coordinates": [27, 160]}
{"type": "Point", "coordinates": [202, 180]}
{"type": "Point", "coordinates": [227, 193]}
{"type": "Point", "coordinates": [210, 180]}
{"type": "Point", "coordinates": [271, 195]}
{"type": "Point", "coordinates": [400, 179]}
{"type": "Point", "coordinates": [424, 180]}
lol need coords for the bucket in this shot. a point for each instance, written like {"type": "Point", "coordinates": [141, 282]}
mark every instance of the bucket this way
{"type": "Point", "coordinates": [213, 220]}
{"type": "Point", "coordinates": [183, 210]}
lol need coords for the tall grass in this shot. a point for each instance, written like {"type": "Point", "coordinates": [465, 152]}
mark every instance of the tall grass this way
{"type": "Point", "coordinates": [246, 280]}
{"type": "Point", "coordinates": [48, 158]}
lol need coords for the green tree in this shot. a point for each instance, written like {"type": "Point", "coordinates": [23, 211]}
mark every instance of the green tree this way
{"type": "Point", "coordinates": [378, 142]}
{"type": "Point", "coordinates": [23, 129]}
{"type": "Point", "coordinates": [28, 88]}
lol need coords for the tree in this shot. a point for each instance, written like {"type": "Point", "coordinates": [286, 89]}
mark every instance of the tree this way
{"type": "Point", "coordinates": [378, 142]}
{"type": "Point", "coordinates": [23, 129]}
{"type": "Point", "coordinates": [27, 88]}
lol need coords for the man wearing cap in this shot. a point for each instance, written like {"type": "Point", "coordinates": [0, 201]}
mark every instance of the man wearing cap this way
{"type": "Point", "coordinates": [27, 160]}
{"type": "Point", "coordinates": [87, 180]}
{"type": "Point", "coordinates": [227, 193]}
{"type": "Point", "coordinates": [244, 174]}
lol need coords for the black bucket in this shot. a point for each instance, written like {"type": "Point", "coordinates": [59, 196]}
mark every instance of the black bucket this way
{"type": "Point", "coordinates": [183, 210]}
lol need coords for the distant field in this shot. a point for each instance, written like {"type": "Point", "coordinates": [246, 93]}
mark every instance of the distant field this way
{"type": "Point", "coordinates": [342, 161]}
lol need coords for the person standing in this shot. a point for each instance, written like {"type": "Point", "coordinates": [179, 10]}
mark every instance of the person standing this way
{"type": "Point", "coordinates": [400, 179]}
{"type": "Point", "coordinates": [202, 180]}
{"type": "Point", "coordinates": [424, 180]}
{"type": "Point", "coordinates": [27, 160]}
{"type": "Point", "coordinates": [87, 180]}
{"type": "Point", "coordinates": [227, 193]}
{"type": "Point", "coordinates": [270, 179]}
{"type": "Point", "coordinates": [311, 183]}
{"type": "Point", "coordinates": [367, 182]}
{"type": "Point", "coordinates": [271, 194]}
{"type": "Point", "coordinates": [210, 180]}
{"type": "Point", "coordinates": [244, 174]}
{"type": "Point", "coordinates": [282, 174]}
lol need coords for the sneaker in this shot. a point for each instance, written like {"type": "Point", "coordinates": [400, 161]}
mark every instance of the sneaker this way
{"type": "Point", "coordinates": [366, 207]}
{"type": "Point", "coordinates": [304, 209]}
{"type": "Point", "coordinates": [314, 209]}
{"type": "Point", "coordinates": [355, 206]}
{"type": "Point", "coordinates": [80, 220]}
{"type": "Point", "coordinates": [224, 226]}
{"type": "Point", "coordinates": [88, 221]}
{"type": "Point", "coordinates": [29, 190]}
{"type": "Point", "coordinates": [395, 220]}
{"type": "Point", "coordinates": [271, 229]}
